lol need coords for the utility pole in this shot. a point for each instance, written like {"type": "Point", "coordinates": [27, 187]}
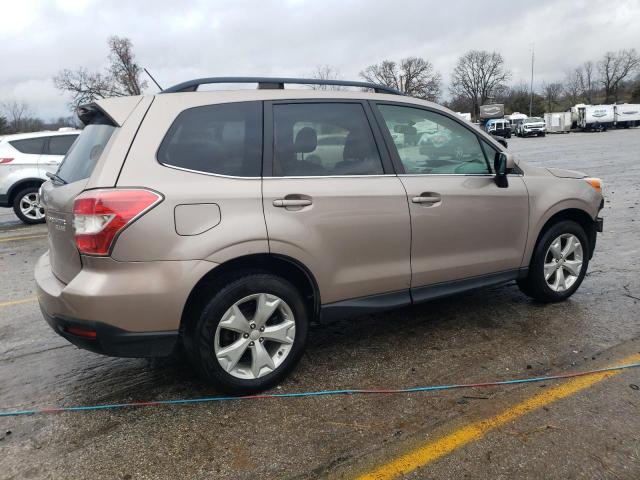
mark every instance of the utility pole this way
{"type": "Point", "coordinates": [531, 88]}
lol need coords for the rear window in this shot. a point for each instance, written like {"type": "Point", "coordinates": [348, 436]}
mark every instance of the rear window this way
{"type": "Point", "coordinates": [59, 145]}
{"type": "Point", "coordinates": [29, 145]}
{"type": "Point", "coordinates": [85, 152]}
{"type": "Point", "coordinates": [223, 139]}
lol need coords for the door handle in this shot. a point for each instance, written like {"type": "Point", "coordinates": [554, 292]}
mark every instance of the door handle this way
{"type": "Point", "coordinates": [291, 202]}
{"type": "Point", "coordinates": [427, 198]}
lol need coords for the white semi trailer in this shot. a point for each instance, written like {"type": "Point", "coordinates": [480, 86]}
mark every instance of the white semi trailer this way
{"type": "Point", "coordinates": [595, 117]}
{"type": "Point", "coordinates": [627, 115]}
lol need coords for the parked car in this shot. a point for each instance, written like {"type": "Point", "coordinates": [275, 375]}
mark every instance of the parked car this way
{"type": "Point", "coordinates": [25, 159]}
{"type": "Point", "coordinates": [499, 127]}
{"type": "Point", "coordinates": [532, 126]}
{"type": "Point", "coordinates": [198, 220]}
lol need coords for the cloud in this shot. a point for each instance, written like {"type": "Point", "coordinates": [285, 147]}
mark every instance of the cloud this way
{"type": "Point", "coordinates": [182, 40]}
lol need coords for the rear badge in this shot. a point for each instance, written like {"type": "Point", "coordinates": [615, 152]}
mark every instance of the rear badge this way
{"type": "Point", "coordinates": [58, 223]}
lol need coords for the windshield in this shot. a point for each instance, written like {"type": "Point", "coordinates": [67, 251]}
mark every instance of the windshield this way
{"type": "Point", "coordinates": [533, 120]}
{"type": "Point", "coordinates": [84, 153]}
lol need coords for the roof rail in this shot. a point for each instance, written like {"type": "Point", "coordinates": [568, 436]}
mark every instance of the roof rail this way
{"type": "Point", "coordinates": [276, 83]}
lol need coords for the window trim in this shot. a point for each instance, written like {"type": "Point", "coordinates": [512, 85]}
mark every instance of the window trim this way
{"type": "Point", "coordinates": [393, 150]}
{"type": "Point", "coordinates": [211, 174]}
{"type": "Point", "coordinates": [269, 139]}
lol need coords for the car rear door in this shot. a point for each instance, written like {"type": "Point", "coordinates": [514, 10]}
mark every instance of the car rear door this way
{"type": "Point", "coordinates": [463, 225]}
{"type": "Point", "coordinates": [55, 148]}
{"type": "Point", "coordinates": [341, 212]}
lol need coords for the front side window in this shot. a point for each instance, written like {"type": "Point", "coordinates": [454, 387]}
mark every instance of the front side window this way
{"type": "Point", "coordinates": [60, 144]}
{"type": "Point", "coordinates": [321, 139]}
{"type": "Point", "coordinates": [223, 139]}
{"type": "Point", "coordinates": [432, 143]}
{"type": "Point", "coordinates": [31, 146]}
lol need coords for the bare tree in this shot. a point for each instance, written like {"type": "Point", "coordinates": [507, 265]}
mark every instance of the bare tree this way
{"type": "Point", "coordinates": [124, 69]}
{"type": "Point", "coordinates": [479, 75]}
{"type": "Point", "coordinates": [572, 86]}
{"type": "Point", "coordinates": [4, 125]}
{"type": "Point", "coordinates": [587, 81]}
{"type": "Point", "coordinates": [414, 76]}
{"type": "Point", "coordinates": [18, 117]}
{"type": "Point", "coordinates": [326, 72]}
{"type": "Point", "coordinates": [121, 78]}
{"type": "Point", "coordinates": [614, 68]}
{"type": "Point", "coordinates": [551, 92]}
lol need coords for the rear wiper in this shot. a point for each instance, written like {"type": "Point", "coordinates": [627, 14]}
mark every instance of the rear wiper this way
{"type": "Point", "coordinates": [56, 178]}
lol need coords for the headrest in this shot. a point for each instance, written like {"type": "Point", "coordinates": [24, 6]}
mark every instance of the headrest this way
{"type": "Point", "coordinates": [306, 140]}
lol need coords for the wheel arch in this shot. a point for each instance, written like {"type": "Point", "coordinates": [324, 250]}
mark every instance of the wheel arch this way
{"type": "Point", "coordinates": [578, 215]}
{"type": "Point", "coordinates": [21, 184]}
{"type": "Point", "coordinates": [286, 267]}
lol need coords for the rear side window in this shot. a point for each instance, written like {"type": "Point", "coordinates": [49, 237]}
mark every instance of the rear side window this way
{"type": "Point", "coordinates": [29, 145]}
{"type": "Point", "coordinates": [323, 139]}
{"type": "Point", "coordinates": [223, 139]}
{"type": "Point", "coordinates": [60, 144]}
{"type": "Point", "coordinates": [85, 152]}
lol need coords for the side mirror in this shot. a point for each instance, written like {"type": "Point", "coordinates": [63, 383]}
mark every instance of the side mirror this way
{"type": "Point", "coordinates": [503, 163]}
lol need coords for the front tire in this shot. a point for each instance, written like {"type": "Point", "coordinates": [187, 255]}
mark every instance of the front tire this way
{"type": "Point", "coordinates": [250, 335]}
{"type": "Point", "coordinates": [26, 206]}
{"type": "Point", "coordinates": [559, 263]}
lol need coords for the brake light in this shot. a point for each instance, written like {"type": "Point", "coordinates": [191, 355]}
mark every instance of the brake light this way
{"type": "Point", "coordinates": [100, 215]}
{"type": "Point", "coordinates": [6, 160]}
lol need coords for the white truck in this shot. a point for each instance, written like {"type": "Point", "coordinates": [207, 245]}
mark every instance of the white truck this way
{"type": "Point", "coordinates": [627, 115]}
{"type": "Point", "coordinates": [595, 117]}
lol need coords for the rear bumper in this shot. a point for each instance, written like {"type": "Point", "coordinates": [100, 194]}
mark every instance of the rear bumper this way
{"type": "Point", "coordinates": [113, 341]}
{"type": "Point", "coordinates": [134, 308]}
{"type": "Point", "coordinates": [4, 200]}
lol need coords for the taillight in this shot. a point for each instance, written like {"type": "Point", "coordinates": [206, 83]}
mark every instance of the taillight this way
{"type": "Point", "coordinates": [6, 160]}
{"type": "Point", "coordinates": [100, 215]}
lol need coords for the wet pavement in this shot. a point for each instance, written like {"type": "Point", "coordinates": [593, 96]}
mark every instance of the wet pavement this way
{"type": "Point", "coordinates": [489, 334]}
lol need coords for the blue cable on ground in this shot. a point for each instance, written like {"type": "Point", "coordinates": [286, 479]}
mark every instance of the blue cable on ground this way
{"type": "Point", "coordinates": [191, 401]}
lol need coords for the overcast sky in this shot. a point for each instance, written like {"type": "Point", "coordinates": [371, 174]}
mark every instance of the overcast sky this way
{"type": "Point", "coordinates": [178, 40]}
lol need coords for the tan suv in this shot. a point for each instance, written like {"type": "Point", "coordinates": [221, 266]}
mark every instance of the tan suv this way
{"type": "Point", "coordinates": [227, 221]}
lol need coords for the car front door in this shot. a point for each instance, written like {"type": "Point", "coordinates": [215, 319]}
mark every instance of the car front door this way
{"type": "Point", "coordinates": [339, 210]}
{"type": "Point", "coordinates": [464, 226]}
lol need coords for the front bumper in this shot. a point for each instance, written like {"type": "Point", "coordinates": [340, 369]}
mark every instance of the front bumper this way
{"type": "Point", "coordinates": [134, 308]}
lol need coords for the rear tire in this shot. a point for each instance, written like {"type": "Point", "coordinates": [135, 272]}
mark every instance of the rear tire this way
{"type": "Point", "coordinates": [555, 273]}
{"type": "Point", "coordinates": [222, 346]}
{"type": "Point", "coordinates": [26, 206]}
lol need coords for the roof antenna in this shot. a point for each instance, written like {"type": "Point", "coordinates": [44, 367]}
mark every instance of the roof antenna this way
{"type": "Point", "coordinates": [153, 79]}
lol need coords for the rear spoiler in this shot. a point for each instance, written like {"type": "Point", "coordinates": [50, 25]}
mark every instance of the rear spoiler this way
{"type": "Point", "coordinates": [113, 111]}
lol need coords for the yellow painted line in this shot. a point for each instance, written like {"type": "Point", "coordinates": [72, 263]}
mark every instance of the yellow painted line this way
{"type": "Point", "coordinates": [18, 302]}
{"type": "Point", "coordinates": [28, 237]}
{"type": "Point", "coordinates": [433, 450]}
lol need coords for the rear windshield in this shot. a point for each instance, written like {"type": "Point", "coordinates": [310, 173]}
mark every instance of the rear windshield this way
{"type": "Point", "coordinates": [85, 152]}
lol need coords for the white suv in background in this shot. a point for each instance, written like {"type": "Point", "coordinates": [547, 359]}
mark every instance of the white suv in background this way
{"type": "Point", "coordinates": [25, 159]}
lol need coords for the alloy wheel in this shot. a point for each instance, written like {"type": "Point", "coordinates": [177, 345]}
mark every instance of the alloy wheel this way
{"type": "Point", "coordinates": [563, 262]}
{"type": "Point", "coordinates": [30, 206]}
{"type": "Point", "coordinates": [255, 336]}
